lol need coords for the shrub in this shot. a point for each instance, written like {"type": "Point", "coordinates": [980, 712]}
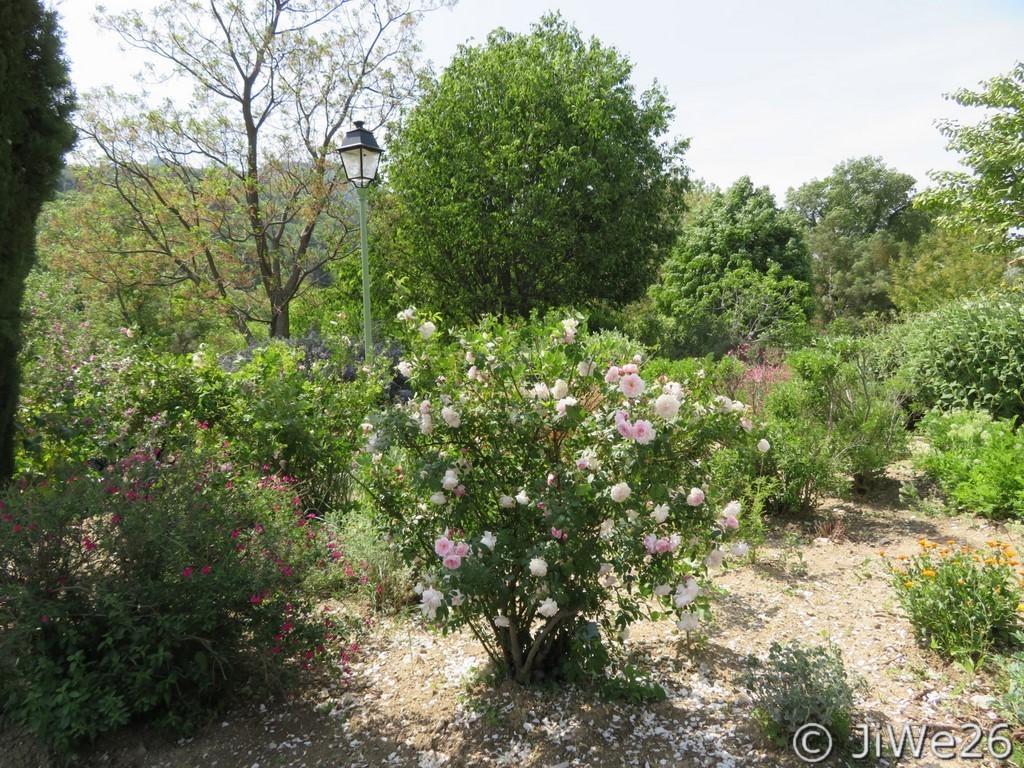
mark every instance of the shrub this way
{"type": "Point", "coordinates": [976, 460]}
{"type": "Point", "coordinates": [968, 354]}
{"type": "Point", "coordinates": [153, 590]}
{"type": "Point", "coordinates": [539, 484]}
{"type": "Point", "coordinates": [797, 685]}
{"type": "Point", "coordinates": [287, 408]}
{"type": "Point", "coordinates": [831, 423]}
{"type": "Point", "coordinates": [962, 601]}
{"type": "Point", "coordinates": [1010, 702]}
{"type": "Point", "coordinates": [298, 412]}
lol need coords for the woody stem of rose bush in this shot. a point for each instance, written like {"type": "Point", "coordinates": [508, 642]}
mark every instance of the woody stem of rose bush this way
{"type": "Point", "coordinates": [485, 642]}
{"type": "Point", "coordinates": [514, 650]}
{"type": "Point", "coordinates": [542, 641]}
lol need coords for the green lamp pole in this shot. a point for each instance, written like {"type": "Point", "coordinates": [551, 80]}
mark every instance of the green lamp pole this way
{"type": "Point", "coordinates": [360, 155]}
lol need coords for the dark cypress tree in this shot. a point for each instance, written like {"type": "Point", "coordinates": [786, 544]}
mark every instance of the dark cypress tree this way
{"type": "Point", "coordinates": [36, 101]}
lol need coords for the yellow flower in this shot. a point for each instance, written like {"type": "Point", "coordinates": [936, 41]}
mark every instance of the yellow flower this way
{"type": "Point", "coordinates": [1020, 606]}
{"type": "Point", "coordinates": [908, 584]}
{"type": "Point", "coordinates": [928, 572]}
{"type": "Point", "coordinates": [960, 581]}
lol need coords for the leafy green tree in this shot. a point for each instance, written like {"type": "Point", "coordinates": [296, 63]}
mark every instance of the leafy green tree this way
{"type": "Point", "coordinates": [739, 270]}
{"type": "Point", "coordinates": [87, 235]}
{"type": "Point", "coordinates": [238, 192]}
{"type": "Point", "coordinates": [942, 267]}
{"type": "Point", "coordinates": [35, 133]}
{"type": "Point", "coordinates": [987, 199]}
{"type": "Point", "coordinates": [857, 218]}
{"type": "Point", "coordinates": [530, 175]}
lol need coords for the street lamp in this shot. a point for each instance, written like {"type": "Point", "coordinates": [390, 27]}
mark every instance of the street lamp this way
{"type": "Point", "coordinates": [360, 155]}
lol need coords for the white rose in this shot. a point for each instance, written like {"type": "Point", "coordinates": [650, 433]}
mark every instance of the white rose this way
{"type": "Point", "coordinates": [620, 492]}
{"type": "Point", "coordinates": [560, 389]}
{"type": "Point", "coordinates": [688, 622]}
{"type": "Point", "coordinates": [666, 406]}
{"type": "Point", "coordinates": [763, 445]}
{"type": "Point", "coordinates": [538, 567]}
{"type": "Point", "coordinates": [507, 501]}
{"type": "Point", "coordinates": [451, 417]}
{"type": "Point", "coordinates": [714, 560]}
{"type": "Point", "coordinates": [660, 513]}
{"type": "Point", "coordinates": [427, 329]}
{"type": "Point", "coordinates": [405, 368]}
{"type": "Point", "coordinates": [548, 608]}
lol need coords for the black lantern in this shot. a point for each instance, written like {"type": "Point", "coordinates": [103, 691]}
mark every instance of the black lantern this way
{"type": "Point", "coordinates": [360, 155]}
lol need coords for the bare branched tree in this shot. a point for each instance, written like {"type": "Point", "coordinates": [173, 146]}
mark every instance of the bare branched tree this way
{"type": "Point", "coordinates": [238, 192]}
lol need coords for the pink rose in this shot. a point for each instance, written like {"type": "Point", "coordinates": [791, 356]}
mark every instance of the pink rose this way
{"type": "Point", "coordinates": [643, 432]}
{"type": "Point", "coordinates": [452, 561]}
{"type": "Point", "coordinates": [443, 546]}
{"type": "Point", "coordinates": [632, 385]}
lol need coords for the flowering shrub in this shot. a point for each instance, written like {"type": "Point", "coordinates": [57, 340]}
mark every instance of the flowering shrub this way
{"type": "Point", "coordinates": [153, 589]}
{"type": "Point", "coordinates": [542, 485]}
{"type": "Point", "coordinates": [963, 601]}
{"type": "Point", "coordinates": [761, 370]}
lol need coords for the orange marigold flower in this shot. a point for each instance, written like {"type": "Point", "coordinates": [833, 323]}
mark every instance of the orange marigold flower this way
{"type": "Point", "coordinates": [928, 572]}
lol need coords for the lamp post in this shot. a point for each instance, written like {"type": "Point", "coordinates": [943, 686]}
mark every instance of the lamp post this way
{"type": "Point", "coordinates": [360, 155]}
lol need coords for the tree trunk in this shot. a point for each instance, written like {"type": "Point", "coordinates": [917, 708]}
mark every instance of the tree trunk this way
{"type": "Point", "coordinates": [280, 323]}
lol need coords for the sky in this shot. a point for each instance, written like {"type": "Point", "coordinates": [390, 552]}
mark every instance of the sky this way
{"type": "Point", "coordinates": [778, 90]}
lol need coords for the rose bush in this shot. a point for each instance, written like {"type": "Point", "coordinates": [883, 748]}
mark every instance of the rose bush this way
{"type": "Point", "coordinates": [542, 486]}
